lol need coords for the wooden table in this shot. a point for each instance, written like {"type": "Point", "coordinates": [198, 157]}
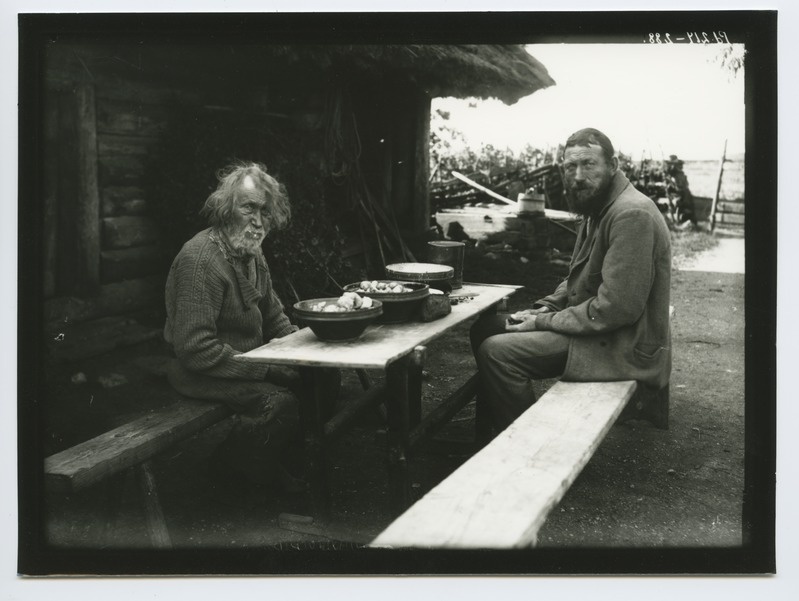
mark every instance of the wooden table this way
{"type": "Point", "coordinates": [398, 349]}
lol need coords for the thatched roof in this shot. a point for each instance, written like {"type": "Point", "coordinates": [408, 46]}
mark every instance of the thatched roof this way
{"type": "Point", "coordinates": [507, 72]}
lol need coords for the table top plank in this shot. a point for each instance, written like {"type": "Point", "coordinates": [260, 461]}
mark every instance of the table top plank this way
{"type": "Point", "coordinates": [380, 344]}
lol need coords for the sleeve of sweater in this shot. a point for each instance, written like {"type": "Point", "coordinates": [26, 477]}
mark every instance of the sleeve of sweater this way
{"type": "Point", "coordinates": [627, 273]}
{"type": "Point", "coordinates": [555, 301]}
{"type": "Point", "coordinates": [199, 292]}
{"type": "Point", "coordinates": [276, 323]}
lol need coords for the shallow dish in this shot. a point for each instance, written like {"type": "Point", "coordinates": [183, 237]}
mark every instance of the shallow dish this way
{"type": "Point", "coordinates": [398, 307]}
{"type": "Point", "coordinates": [437, 276]}
{"type": "Point", "coordinates": [338, 326]}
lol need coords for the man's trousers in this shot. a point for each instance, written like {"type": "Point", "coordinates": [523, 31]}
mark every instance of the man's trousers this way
{"type": "Point", "coordinates": [508, 362]}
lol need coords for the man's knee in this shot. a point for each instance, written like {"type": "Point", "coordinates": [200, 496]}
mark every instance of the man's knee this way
{"type": "Point", "coordinates": [492, 350]}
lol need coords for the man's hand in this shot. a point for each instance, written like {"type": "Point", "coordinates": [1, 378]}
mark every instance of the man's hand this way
{"type": "Point", "coordinates": [531, 312]}
{"type": "Point", "coordinates": [521, 322]}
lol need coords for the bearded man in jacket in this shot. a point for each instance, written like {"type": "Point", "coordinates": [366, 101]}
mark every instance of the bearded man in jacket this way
{"type": "Point", "coordinates": [609, 318]}
{"type": "Point", "coordinates": [220, 302]}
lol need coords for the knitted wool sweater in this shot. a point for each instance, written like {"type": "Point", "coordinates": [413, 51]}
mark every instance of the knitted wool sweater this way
{"type": "Point", "coordinates": [214, 311]}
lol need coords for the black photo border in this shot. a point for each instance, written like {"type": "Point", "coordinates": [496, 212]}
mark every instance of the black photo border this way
{"type": "Point", "coordinates": [756, 29]}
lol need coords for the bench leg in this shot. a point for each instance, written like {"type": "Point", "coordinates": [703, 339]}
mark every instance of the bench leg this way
{"type": "Point", "coordinates": [650, 405]}
{"type": "Point", "coordinates": [656, 408]}
{"type": "Point", "coordinates": [113, 492]}
{"type": "Point", "coordinates": [154, 514]}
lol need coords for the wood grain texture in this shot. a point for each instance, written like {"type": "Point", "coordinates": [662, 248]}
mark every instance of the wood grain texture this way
{"type": "Point", "coordinates": [126, 232]}
{"type": "Point", "coordinates": [122, 200]}
{"type": "Point", "coordinates": [78, 199]}
{"type": "Point", "coordinates": [380, 344]}
{"type": "Point", "coordinates": [112, 299]}
{"type": "Point", "coordinates": [126, 446]}
{"type": "Point", "coordinates": [501, 496]}
{"type": "Point", "coordinates": [88, 206]}
{"type": "Point", "coordinates": [130, 263]}
{"type": "Point", "coordinates": [420, 210]}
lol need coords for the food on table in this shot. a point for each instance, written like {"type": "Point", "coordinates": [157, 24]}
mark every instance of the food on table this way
{"type": "Point", "coordinates": [349, 301]}
{"type": "Point", "coordinates": [382, 287]}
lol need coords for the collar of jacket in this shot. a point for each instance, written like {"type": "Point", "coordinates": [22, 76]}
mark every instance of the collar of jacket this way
{"type": "Point", "coordinates": [618, 183]}
{"type": "Point", "coordinates": [249, 293]}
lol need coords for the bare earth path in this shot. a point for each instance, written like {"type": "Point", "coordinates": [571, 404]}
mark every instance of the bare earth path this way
{"type": "Point", "coordinates": [681, 487]}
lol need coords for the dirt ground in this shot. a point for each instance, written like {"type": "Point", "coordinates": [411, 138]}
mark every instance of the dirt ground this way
{"type": "Point", "coordinates": [644, 487]}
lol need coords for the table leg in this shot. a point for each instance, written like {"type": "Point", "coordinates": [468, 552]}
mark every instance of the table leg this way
{"type": "Point", "coordinates": [313, 424]}
{"type": "Point", "coordinates": [415, 385]}
{"type": "Point", "coordinates": [397, 435]}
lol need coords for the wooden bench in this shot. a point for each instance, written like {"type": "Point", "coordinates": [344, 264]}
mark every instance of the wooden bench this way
{"type": "Point", "coordinates": [130, 447]}
{"type": "Point", "coordinates": [501, 496]}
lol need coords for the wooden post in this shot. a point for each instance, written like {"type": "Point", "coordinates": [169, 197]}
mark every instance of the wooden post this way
{"type": "Point", "coordinates": [420, 210]}
{"type": "Point", "coordinates": [78, 198]}
{"type": "Point", "coordinates": [718, 188]}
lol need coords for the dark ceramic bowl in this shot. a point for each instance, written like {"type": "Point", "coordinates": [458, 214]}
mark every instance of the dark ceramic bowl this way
{"type": "Point", "coordinates": [398, 307]}
{"type": "Point", "coordinates": [336, 327]}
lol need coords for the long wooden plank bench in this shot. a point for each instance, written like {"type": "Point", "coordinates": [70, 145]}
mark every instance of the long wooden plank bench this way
{"type": "Point", "coordinates": [501, 496]}
{"type": "Point", "coordinates": [131, 447]}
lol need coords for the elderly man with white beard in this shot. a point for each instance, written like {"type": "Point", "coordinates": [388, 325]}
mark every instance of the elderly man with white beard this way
{"type": "Point", "coordinates": [220, 302]}
{"type": "Point", "coordinates": [609, 318]}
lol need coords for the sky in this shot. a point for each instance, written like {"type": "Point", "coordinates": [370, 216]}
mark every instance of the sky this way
{"type": "Point", "coordinates": [652, 99]}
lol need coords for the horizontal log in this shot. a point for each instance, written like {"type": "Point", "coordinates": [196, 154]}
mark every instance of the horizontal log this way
{"type": "Point", "coordinates": [130, 118]}
{"type": "Point", "coordinates": [130, 263]}
{"type": "Point", "coordinates": [147, 92]}
{"type": "Point", "coordinates": [112, 299]}
{"type": "Point", "coordinates": [125, 232]}
{"type": "Point", "coordinates": [120, 170]}
{"type": "Point", "coordinates": [124, 145]}
{"type": "Point", "coordinates": [730, 218]}
{"type": "Point", "coordinates": [122, 200]}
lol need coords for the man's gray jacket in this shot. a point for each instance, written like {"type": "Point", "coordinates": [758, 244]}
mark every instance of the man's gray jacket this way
{"type": "Point", "coordinates": [614, 304]}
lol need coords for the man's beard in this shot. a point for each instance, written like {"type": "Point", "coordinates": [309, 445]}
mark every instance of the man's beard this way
{"type": "Point", "coordinates": [586, 199]}
{"type": "Point", "coordinates": [245, 242]}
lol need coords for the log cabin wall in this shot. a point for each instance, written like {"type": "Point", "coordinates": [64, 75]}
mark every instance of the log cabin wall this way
{"type": "Point", "coordinates": [100, 126]}
{"type": "Point", "coordinates": [98, 135]}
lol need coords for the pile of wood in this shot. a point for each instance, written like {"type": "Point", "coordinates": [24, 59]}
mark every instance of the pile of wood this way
{"type": "Point", "coordinates": [454, 192]}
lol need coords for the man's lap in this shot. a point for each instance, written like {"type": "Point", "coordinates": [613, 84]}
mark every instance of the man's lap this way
{"type": "Point", "coordinates": [243, 396]}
